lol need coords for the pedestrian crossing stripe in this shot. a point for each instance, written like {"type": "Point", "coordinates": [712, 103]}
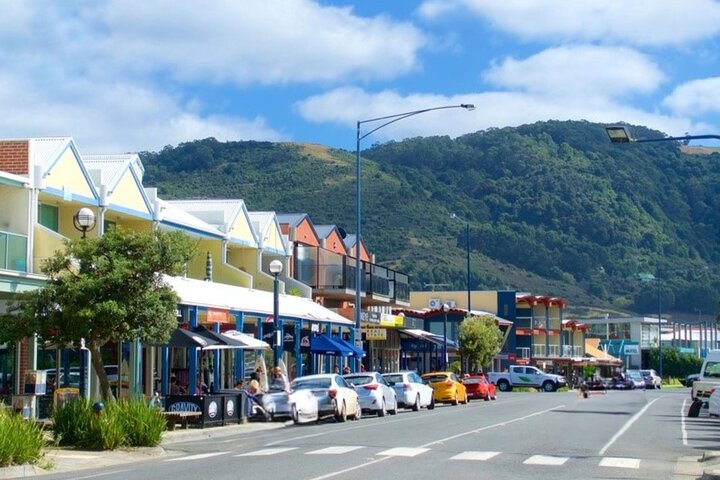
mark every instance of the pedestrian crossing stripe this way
{"type": "Point", "coordinates": [199, 456]}
{"type": "Point", "coordinates": [403, 452]}
{"type": "Point", "coordinates": [546, 460]}
{"type": "Point", "coordinates": [618, 462]}
{"type": "Point", "coordinates": [266, 452]}
{"type": "Point", "coordinates": [482, 456]}
{"type": "Point", "coordinates": [334, 450]}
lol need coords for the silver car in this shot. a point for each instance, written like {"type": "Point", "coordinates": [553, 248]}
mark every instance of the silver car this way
{"type": "Point", "coordinates": [410, 390]}
{"type": "Point", "coordinates": [374, 393]}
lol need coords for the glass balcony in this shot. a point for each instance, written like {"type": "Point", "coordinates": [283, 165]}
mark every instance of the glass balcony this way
{"type": "Point", "coordinates": [13, 249]}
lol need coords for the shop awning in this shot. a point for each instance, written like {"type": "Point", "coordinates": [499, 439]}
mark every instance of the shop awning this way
{"type": "Point", "coordinates": [592, 349]}
{"type": "Point", "coordinates": [429, 337]}
{"type": "Point", "coordinates": [248, 341]}
{"type": "Point", "coordinates": [359, 352]}
{"type": "Point", "coordinates": [258, 302]}
{"type": "Point", "coordinates": [324, 345]}
{"type": "Point", "coordinates": [181, 338]}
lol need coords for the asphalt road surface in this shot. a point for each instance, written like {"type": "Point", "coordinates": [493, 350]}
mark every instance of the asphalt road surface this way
{"type": "Point", "coordinates": [633, 434]}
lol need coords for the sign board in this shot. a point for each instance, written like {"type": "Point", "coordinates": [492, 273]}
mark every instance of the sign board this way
{"type": "Point", "coordinates": [632, 349]}
{"type": "Point", "coordinates": [375, 333]}
{"type": "Point", "coordinates": [65, 394]}
{"type": "Point", "coordinates": [35, 382]}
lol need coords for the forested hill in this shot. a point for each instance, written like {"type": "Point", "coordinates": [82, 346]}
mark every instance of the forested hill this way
{"type": "Point", "coordinates": [553, 207]}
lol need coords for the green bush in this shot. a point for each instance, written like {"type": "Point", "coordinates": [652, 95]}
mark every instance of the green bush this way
{"type": "Point", "coordinates": [21, 441]}
{"type": "Point", "coordinates": [119, 424]}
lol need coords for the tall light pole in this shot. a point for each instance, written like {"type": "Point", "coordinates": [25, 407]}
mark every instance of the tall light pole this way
{"type": "Point", "coordinates": [83, 221]}
{"type": "Point", "coordinates": [445, 309]}
{"type": "Point", "coordinates": [467, 244]}
{"type": "Point", "coordinates": [649, 277]}
{"type": "Point", "coordinates": [621, 134]}
{"type": "Point", "coordinates": [386, 120]}
{"type": "Point", "coordinates": [276, 267]}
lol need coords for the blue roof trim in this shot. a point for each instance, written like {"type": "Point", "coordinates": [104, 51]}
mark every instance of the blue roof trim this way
{"type": "Point", "coordinates": [75, 197]}
{"type": "Point", "coordinates": [78, 158]}
{"type": "Point", "coordinates": [130, 211]}
{"type": "Point", "coordinates": [192, 229]}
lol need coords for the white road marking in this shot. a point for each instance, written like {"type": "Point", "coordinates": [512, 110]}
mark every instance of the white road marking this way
{"type": "Point", "coordinates": [403, 452]}
{"type": "Point", "coordinates": [682, 423]}
{"type": "Point", "coordinates": [266, 451]}
{"type": "Point", "coordinates": [546, 460]}
{"type": "Point", "coordinates": [618, 462]}
{"type": "Point", "coordinates": [482, 456]}
{"type": "Point", "coordinates": [624, 428]}
{"type": "Point", "coordinates": [334, 450]}
{"type": "Point", "coordinates": [79, 456]}
{"type": "Point", "coordinates": [196, 457]}
{"type": "Point", "coordinates": [114, 472]}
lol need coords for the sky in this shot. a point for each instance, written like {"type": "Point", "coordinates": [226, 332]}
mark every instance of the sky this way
{"type": "Point", "coordinates": [126, 76]}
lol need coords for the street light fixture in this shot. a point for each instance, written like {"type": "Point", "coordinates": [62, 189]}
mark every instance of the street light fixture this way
{"type": "Point", "coordinates": [467, 243]}
{"type": "Point", "coordinates": [649, 277]}
{"type": "Point", "coordinates": [276, 267]}
{"type": "Point", "coordinates": [387, 120]}
{"type": "Point", "coordinates": [84, 220]}
{"type": "Point", "coordinates": [621, 134]}
{"type": "Point", "coordinates": [445, 309]}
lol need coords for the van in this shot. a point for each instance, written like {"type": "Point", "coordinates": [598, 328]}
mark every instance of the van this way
{"type": "Point", "coordinates": [708, 381]}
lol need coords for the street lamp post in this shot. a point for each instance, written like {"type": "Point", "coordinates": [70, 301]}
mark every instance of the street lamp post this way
{"type": "Point", "coordinates": [467, 245]}
{"type": "Point", "coordinates": [648, 277]}
{"type": "Point", "coordinates": [386, 120]}
{"type": "Point", "coordinates": [83, 221]}
{"type": "Point", "coordinates": [276, 267]}
{"type": "Point", "coordinates": [621, 134]}
{"type": "Point", "coordinates": [445, 309]}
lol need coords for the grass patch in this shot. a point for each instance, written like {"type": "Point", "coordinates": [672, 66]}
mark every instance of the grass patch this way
{"type": "Point", "coordinates": [21, 441]}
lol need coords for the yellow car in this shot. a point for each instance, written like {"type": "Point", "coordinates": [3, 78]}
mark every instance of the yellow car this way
{"type": "Point", "coordinates": [447, 387]}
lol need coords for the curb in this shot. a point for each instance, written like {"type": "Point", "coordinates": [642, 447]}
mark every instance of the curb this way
{"type": "Point", "coordinates": [179, 436]}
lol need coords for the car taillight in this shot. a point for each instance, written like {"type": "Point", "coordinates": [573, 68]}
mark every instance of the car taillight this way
{"type": "Point", "coordinates": [371, 387]}
{"type": "Point", "coordinates": [406, 386]}
{"type": "Point", "coordinates": [449, 383]}
{"type": "Point", "coordinates": [332, 393]}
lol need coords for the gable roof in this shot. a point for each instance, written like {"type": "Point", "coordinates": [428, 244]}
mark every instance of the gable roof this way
{"type": "Point", "coordinates": [46, 152]}
{"type": "Point", "coordinates": [220, 213]}
{"type": "Point", "coordinates": [174, 216]}
{"type": "Point", "coordinates": [292, 219]}
{"type": "Point", "coordinates": [263, 222]}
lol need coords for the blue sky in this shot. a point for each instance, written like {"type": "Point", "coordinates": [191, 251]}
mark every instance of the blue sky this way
{"type": "Point", "coordinates": [124, 76]}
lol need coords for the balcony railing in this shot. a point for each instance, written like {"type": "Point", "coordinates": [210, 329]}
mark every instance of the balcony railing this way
{"type": "Point", "coordinates": [554, 350]}
{"type": "Point", "coordinates": [325, 270]}
{"type": "Point", "coordinates": [523, 352]}
{"type": "Point", "coordinates": [13, 251]}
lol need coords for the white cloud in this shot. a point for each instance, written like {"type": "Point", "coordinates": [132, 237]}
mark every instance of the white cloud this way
{"type": "Point", "coordinates": [579, 70]}
{"type": "Point", "coordinates": [493, 109]}
{"type": "Point", "coordinates": [696, 97]}
{"type": "Point", "coordinates": [639, 22]}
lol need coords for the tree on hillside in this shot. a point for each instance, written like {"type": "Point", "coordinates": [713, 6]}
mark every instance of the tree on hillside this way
{"type": "Point", "coordinates": [101, 290]}
{"type": "Point", "coordinates": [480, 340]}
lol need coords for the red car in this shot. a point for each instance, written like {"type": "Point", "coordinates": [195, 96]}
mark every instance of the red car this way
{"type": "Point", "coordinates": [479, 387]}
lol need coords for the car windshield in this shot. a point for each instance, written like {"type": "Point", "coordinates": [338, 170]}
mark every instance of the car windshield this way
{"type": "Point", "coordinates": [308, 383]}
{"type": "Point", "coordinates": [634, 375]}
{"type": "Point", "coordinates": [360, 380]}
{"type": "Point", "coordinates": [712, 369]}
{"type": "Point", "coordinates": [435, 378]}
{"type": "Point", "coordinates": [393, 378]}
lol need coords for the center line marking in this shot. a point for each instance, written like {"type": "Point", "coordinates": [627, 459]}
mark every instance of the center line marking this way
{"type": "Point", "coordinates": [625, 427]}
{"type": "Point", "coordinates": [682, 423]}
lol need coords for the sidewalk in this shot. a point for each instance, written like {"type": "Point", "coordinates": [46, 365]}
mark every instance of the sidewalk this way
{"type": "Point", "coordinates": [58, 460]}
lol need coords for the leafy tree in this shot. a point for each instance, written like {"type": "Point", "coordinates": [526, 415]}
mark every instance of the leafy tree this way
{"type": "Point", "coordinates": [102, 290]}
{"type": "Point", "coordinates": [675, 363]}
{"type": "Point", "coordinates": [480, 340]}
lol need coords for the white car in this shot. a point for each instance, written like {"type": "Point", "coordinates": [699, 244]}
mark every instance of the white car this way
{"type": "Point", "coordinates": [656, 380]}
{"type": "Point", "coordinates": [314, 397]}
{"type": "Point", "coordinates": [714, 403]}
{"type": "Point", "coordinates": [410, 390]}
{"type": "Point", "coordinates": [374, 393]}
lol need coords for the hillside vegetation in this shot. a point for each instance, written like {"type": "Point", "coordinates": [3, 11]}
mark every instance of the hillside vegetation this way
{"type": "Point", "coordinates": [553, 207]}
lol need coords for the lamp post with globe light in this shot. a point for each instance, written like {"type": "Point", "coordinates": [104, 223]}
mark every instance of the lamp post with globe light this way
{"type": "Point", "coordinates": [276, 267]}
{"type": "Point", "coordinates": [386, 120]}
{"type": "Point", "coordinates": [83, 221]}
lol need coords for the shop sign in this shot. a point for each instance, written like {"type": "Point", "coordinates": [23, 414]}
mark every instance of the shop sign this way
{"type": "Point", "coordinates": [387, 320]}
{"type": "Point", "coordinates": [375, 333]}
{"type": "Point", "coordinates": [215, 315]}
{"type": "Point", "coordinates": [632, 349]}
{"type": "Point", "coordinates": [369, 317]}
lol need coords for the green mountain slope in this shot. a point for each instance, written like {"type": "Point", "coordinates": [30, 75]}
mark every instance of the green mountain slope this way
{"type": "Point", "coordinates": [554, 208]}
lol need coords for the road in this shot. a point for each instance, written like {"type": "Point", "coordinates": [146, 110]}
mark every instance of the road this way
{"type": "Point", "coordinates": [634, 434]}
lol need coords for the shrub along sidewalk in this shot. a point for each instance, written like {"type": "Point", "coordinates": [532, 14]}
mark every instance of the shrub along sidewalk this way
{"type": "Point", "coordinates": [21, 441]}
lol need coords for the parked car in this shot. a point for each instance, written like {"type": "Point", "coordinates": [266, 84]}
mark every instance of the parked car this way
{"type": "Point", "coordinates": [714, 403]}
{"type": "Point", "coordinates": [374, 393]}
{"type": "Point", "coordinates": [447, 387]}
{"type": "Point", "coordinates": [478, 387]}
{"type": "Point", "coordinates": [690, 379]}
{"type": "Point", "coordinates": [654, 377]}
{"type": "Point", "coordinates": [524, 376]}
{"type": "Point", "coordinates": [410, 390]}
{"type": "Point", "coordinates": [313, 397]}
{"type": "Point", "coordinates": [620, 382]}
{"type": "Point", "coordinates": [636, 378]}
{"type": "Point", "coordinates": [276, 403]}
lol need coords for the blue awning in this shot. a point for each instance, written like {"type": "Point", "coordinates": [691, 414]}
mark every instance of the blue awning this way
{"type": "Point", "coordinates": [324, 345]}
{"type": "Point", "coordinates": [358, 352]}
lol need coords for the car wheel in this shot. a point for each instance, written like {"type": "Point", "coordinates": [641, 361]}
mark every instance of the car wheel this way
{"type": "Point", "coordinates": [294, 414]}
{"type": "Point", "coordinates": [503, 386]}
{"type": "Point", "coordinates": [432, 403]}
{"type": "Point", "coordinates": [358, 412]}
{"type": "Point", "coordinates": [342, 414]}
{"type": "Point", "coordinates": [382, 412]}
{"type": "Point", "coordinates": [395, 409]}
{"type": "Point", "coordinates": [487, 397]}
{"type": "Point", "coordinates": [455, 400]}
{"type": "Point", "coordinates": [548, 386]}
{"type": "Point", "coordinates": [416, 405]}
{"type": "Point", "coordinates": [694, 410]}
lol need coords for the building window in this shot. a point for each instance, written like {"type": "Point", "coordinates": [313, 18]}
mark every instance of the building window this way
{"type": "Point", "coordinates": [48, 217]}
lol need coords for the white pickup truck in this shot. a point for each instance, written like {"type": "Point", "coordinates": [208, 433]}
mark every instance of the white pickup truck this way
{"type": "Point", "coordinates": [708, 381]}
{"type": "Point", "coordinates": [521, 376]}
